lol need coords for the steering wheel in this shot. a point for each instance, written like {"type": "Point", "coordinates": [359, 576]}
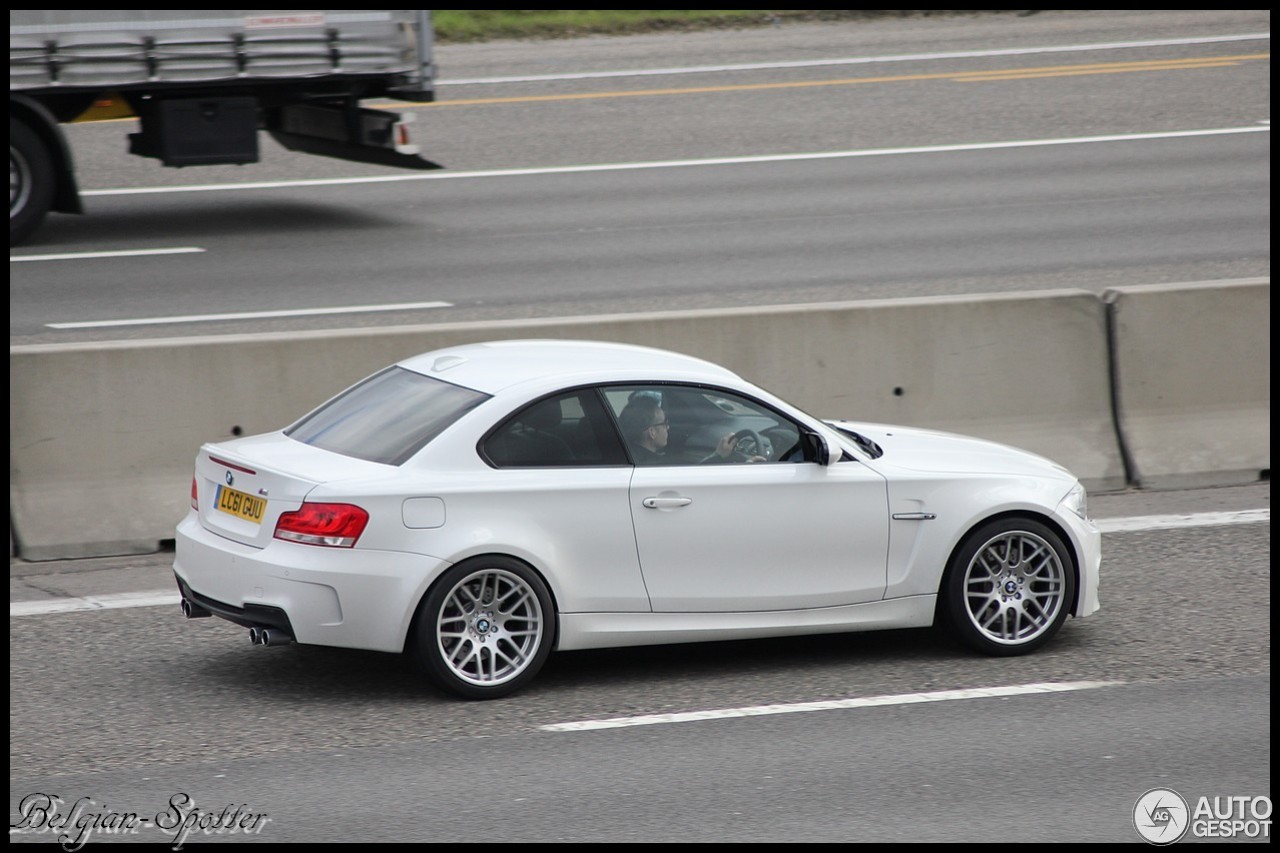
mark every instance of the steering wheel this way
{"type": "Point", "coordinates": [748, 444]}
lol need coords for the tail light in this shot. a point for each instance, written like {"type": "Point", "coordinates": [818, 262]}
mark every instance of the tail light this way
{"type": "Point", "coordinates": [195, 502]}
{"type": "Point", "coordinates": [328, 525]}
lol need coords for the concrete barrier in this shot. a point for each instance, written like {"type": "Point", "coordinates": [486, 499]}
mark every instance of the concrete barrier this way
{"type": "Point", "coordinates": [102, 437]}
{"type": "Point", "coordinates": [1193, 381]}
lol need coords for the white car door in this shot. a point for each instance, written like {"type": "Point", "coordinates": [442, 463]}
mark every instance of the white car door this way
{"type": "Point", "coordinates": [764, 536]}
{"type": "Point", "coordinates": [720, 533]}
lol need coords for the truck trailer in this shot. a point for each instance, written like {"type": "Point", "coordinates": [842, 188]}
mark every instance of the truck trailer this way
{"type": "Point", "coordinates": [202, 84]}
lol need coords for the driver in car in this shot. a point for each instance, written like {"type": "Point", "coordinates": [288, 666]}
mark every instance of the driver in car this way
{"type": "Point", "coordinates": [645, 426]}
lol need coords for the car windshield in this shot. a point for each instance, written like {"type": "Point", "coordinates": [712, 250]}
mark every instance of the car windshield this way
{"type": "Point", "coordinates": [386, 418]}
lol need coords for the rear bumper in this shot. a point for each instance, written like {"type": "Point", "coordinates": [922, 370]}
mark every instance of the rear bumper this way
{"type": "Point", "coordinates": [250, 616]}
{"type": "Point", "coordinates": [346, 598]}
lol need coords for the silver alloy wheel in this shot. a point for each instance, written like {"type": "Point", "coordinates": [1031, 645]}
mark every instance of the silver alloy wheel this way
{"type": "Point", "coordinates": [489, 627]}
{"type": "Point", "coordinates": [1014, 588]}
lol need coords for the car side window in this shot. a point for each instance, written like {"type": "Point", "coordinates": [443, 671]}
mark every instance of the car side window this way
{"type": "Point", "coordinates": [567, 430]}
{"type": "Point", "coordinates": [698, 425]}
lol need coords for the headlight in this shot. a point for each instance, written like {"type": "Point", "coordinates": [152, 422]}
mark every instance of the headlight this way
{"type": "Point", "coordinates": [1077, 501]}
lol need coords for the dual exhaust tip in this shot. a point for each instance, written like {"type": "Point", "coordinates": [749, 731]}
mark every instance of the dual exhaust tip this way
{"type": "Point", "coordinates": [191, 610]}
{"type": "Point", "coordinates": [269, 637]}
{"type": "Point", "coordinates": [259, 636]}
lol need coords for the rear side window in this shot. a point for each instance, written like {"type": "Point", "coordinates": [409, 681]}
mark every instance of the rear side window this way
{"type": "Point", "coordinates": [386, 418]}
{"type": "Point", "coordinates": [571, 430]}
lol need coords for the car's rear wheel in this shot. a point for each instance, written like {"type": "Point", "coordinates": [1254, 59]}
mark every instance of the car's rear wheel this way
{"type": "Point", "coordinates": [1009, 587]}
{"type": "Point", "coordinates": [485, 628]}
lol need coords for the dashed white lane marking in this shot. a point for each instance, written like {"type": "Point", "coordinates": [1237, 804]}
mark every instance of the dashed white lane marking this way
{"type": "Point", "coordinates": [119, 253]}
{"type": "Point", "coordinates": [248, 315]}
{"type": "Point", "coordinates": [827, 705]}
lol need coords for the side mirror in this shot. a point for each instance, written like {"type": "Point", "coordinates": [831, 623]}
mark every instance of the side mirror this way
{"type": "Point", "coordinates": [817, 449]}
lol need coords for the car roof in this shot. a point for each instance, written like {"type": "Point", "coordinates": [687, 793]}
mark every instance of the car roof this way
{"type": "Point", "coordinates": [497, 365]}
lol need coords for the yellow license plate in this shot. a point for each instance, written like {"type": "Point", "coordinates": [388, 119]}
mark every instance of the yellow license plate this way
{"type": "Point", "coordinates": [241, 505]}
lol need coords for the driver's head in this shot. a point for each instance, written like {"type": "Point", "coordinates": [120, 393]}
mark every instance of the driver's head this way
{"type": "Point", "coordinates": [644, 423]}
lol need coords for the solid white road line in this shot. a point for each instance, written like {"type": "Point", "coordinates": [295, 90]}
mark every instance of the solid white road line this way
{"type": "Point", "coordinates": [826, 705]}
{"type": "Point", "coordinates": [861, 60]}
{"type": "Point", "coordinates": [676, 164]}
{"type": "Point", "coordinates": [248, 315]}
{"type": "Point", "coordinates": [166, 598]}
{"type": "Point", "coordinates": [121, 253]}
{"type": "Point", "coordinates": [113, 601]}
{"type": "Point", "coordinates": [1194, 519]}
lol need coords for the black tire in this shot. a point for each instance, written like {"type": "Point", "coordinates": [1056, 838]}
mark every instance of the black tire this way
{"type": "Point", "coordinates": [31, 181]}
{"type": "Point", "coordinates": [1008, 588]}
{"type": "Point", "coordinates": [485, 628]}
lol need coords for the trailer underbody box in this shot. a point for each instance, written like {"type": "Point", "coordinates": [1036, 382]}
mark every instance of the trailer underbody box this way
{"type": "Point", "coordinates": [199, 132]}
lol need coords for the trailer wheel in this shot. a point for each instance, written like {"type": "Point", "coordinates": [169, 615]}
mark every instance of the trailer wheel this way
{"type": "Point", "coordinates": [30, 181]}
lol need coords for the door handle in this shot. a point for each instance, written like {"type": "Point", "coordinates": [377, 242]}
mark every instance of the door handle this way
{"type": "Point", "coordinates": [666, 503]}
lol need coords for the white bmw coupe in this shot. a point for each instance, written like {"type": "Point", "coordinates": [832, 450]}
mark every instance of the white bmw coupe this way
{"type": "Point", "coordinates": [484, 505]}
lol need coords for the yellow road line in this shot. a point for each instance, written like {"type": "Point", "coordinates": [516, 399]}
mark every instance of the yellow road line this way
{"type": "Point", "coordinates": [959, 76]}
{"type": "Point", "coordinates": [1032, 74]}
{"type": "Point", "coordinates": [955, 76]}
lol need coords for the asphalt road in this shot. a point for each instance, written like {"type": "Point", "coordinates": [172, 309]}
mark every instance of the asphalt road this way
{"type": "Point", "coordinates": [1023, 769]}
{"type": "Point", "coordinates": [978, 154]}
{"type": "Point", "coordinates": [131, 707]}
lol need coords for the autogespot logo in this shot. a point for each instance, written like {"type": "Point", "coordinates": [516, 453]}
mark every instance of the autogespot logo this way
{"type": "Point", "coordinates": [1161, 816]}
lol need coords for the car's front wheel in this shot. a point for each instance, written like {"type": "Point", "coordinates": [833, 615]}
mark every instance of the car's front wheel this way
{"type": "Point", "coordinates": [485, 628]}
{"type": "Point", "coordinates": [1009, 587]}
